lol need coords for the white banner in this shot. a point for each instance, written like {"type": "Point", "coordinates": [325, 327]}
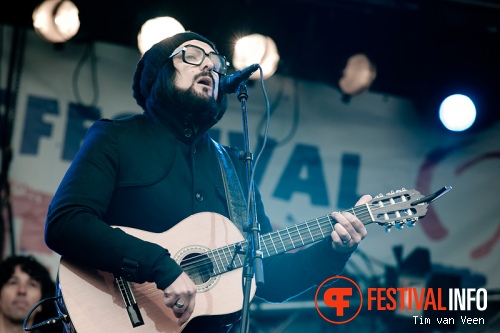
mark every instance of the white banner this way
{"type": "Point", "coordinates": [322, 154]}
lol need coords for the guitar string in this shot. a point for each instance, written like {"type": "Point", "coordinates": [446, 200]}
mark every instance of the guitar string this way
{"type": "Point", "coordinates": [323, 224]}
{"type": "Point", "coordinates": [307, 234]}
{"type": "Point", "coordinates": [275, 238]}
{"type": "Point", "coordinates": [124, 291]}
{"type": "Point", "coordinates": [312, 226]}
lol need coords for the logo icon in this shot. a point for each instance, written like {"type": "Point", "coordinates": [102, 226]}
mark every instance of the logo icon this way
{"type": "Point", "coordinates": [340, 303]}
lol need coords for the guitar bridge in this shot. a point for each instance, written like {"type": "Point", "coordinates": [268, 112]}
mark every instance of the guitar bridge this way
{"type": "Point", "coordinates": [133, 311]}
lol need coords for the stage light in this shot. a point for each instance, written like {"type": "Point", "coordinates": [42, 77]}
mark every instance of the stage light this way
{"type": "Point", "coordinates": [358, 75]}
{"type": "Point", "coordinates": [457, 112]}
{"type": "Point", "coordinates": [256, 49]}
{"type": "Point", "coordinates": [157, 29]}
{"type": "Point", "coordinates": [56, 21]}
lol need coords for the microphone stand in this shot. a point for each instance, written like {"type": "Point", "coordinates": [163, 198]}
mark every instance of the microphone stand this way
{"type": "Point", "coordinates": [253, 262]}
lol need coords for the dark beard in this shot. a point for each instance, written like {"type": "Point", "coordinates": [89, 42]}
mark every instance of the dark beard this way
{"type": "Point", "coordinates": [202, 108]}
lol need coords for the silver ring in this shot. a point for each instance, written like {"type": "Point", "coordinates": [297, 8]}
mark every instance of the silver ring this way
{"type": "Point", "coordinates": [346, 241]}
{"type": "Point", "coordinates": [179, 305]}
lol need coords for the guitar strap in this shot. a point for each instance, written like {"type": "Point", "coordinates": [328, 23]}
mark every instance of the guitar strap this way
{"type": "Point", "coordinates": [234, 193]}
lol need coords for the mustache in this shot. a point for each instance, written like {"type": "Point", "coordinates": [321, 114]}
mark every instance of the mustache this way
{"type": "Point", "coordinates": [207, 74]}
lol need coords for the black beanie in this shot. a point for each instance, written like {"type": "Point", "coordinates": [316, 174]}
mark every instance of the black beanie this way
{"type": "Point", "coordinates": [155, 58]}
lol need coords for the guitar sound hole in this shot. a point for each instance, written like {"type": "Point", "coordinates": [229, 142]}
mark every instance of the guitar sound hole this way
{"type": "Point", "coordinates": [198, 267]}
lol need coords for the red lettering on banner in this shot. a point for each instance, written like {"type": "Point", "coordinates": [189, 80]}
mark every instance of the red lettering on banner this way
{"type": "Point", "coordinates": [485, 248]}
{"type": "Point", "coordinates": [31, 207]}
{"type": "Point", "coordinates": [432, 226]}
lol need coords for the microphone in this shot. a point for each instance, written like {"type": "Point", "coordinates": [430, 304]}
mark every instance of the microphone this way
{"type": "Point", "coordinates": [229, 84]}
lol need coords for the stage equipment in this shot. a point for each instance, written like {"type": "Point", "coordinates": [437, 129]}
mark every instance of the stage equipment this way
{"type": "Point", "coordinates": [358, 75]}
{"type": "Point", "coordinates": [56, 21]}
{"type": "Point", "coordinates": [155, 30]}
{"type": "Point", "coordinates": [258, 49]}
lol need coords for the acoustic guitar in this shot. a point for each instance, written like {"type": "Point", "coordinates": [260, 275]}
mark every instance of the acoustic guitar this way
{"type": "Point", "coordinates": [97, 301]}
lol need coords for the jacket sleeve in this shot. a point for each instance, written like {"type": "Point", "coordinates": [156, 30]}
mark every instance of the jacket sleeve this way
{"type": "Point", "coordinates": [74, 226]}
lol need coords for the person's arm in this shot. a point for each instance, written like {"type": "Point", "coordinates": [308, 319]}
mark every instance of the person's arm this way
{"type": "Point", "coordinates": [290, 274]}
{"type": "Point", "coordinates": [74, 226]}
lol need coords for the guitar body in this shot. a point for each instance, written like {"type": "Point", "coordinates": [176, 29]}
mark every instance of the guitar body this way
{"type": "Point", "coordinates": [97, 302]}
{"type": "Point", "coordinates": [94, 302]}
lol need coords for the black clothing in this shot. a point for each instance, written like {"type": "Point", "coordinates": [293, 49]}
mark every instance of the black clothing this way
{"type": "Point", "coordinates": [136, 173]}
{"type": "Point", "coordinates": [151, 171]}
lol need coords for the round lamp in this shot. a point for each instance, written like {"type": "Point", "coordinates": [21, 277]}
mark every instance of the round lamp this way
{"type": "Point", "coordinates": [359, 74]}
{"type": "Point", "coordinates": [256, 49]}
{"type": "Point", "coordinates": [155, 30]}
{"type": "Point", "coordinates": [56, 21]}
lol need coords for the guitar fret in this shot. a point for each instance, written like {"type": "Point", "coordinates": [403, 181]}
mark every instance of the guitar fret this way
{"type": "Point", "coordinates": [309, 230]}
{"type": "Point", "coordinates": [225, 256]}
{"type": "Point", "coordinates": [274, 245]}
{"type": "Point", "coordinates": [281, 240]}
{"type": "Point", "coordinates": [267, 251]}
{"type": "Point", "coordinates": [297, 227]}
{"type": "Point", "coordinates": [321, 230]}
{"type": "Point", "coordinates": [217, 263]}
{"type": "Point", "coordinates": [221, 268]}
{"type": "Point", "coordinates": [224, 260]}
{"type": "Point", "coordinates": [222, 256]}
{"type": "Point", "coordinates": [330, 221]}
{"type": "Point", "coordinates": [195, 267]}
{"type": "Point", "coordinates": [239, 259]}
{"type": "Point", "coordinates": [291, 239]}
{"type": "Point", "coordinates": [372, 218]}
{"type": "Point", "coordinates": [235, 259]}
{"type": "Point", "coordinates": [353, 212]}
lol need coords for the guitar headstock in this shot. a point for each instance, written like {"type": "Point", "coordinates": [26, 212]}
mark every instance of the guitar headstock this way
{"type": "Point", "coordinates": [397, 209]}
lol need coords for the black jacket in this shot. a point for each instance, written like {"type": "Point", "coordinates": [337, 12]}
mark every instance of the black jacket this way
{"type": "Point", "coordinates": [142, 173]}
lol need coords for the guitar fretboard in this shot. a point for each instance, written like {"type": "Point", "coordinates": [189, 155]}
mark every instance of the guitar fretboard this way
{"type": "Point", "coordinates": [230, 257]}
{"type": "Point", "coordinates": [306, 233]}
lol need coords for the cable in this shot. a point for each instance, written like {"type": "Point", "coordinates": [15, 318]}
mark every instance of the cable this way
{"type": "Point", "coordinates": [296, 112]}
{"type": "Point", "coordinates": [60, 318]}
{"type": "Point", "coordinates": [89, 54]}
{"type": "Point", "coordinates": [13, 81]}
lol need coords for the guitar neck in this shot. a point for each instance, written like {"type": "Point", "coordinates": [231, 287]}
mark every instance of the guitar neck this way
{"type": "Point", "coordinates": [233, 256]}
{"type": "Point", "coordinates": [306, 233]}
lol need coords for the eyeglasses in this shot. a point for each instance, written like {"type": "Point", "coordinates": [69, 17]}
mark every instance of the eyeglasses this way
{"type": "Point", "coordinates": [195, 55]}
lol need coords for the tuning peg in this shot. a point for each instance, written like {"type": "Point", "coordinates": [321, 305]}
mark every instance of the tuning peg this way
{"type": "Point", "coordinates": [411, 223]}
{"type": "Point", "coordinates": [388, 228]}
{"type": "Point", "coordinates": [400, 226]}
